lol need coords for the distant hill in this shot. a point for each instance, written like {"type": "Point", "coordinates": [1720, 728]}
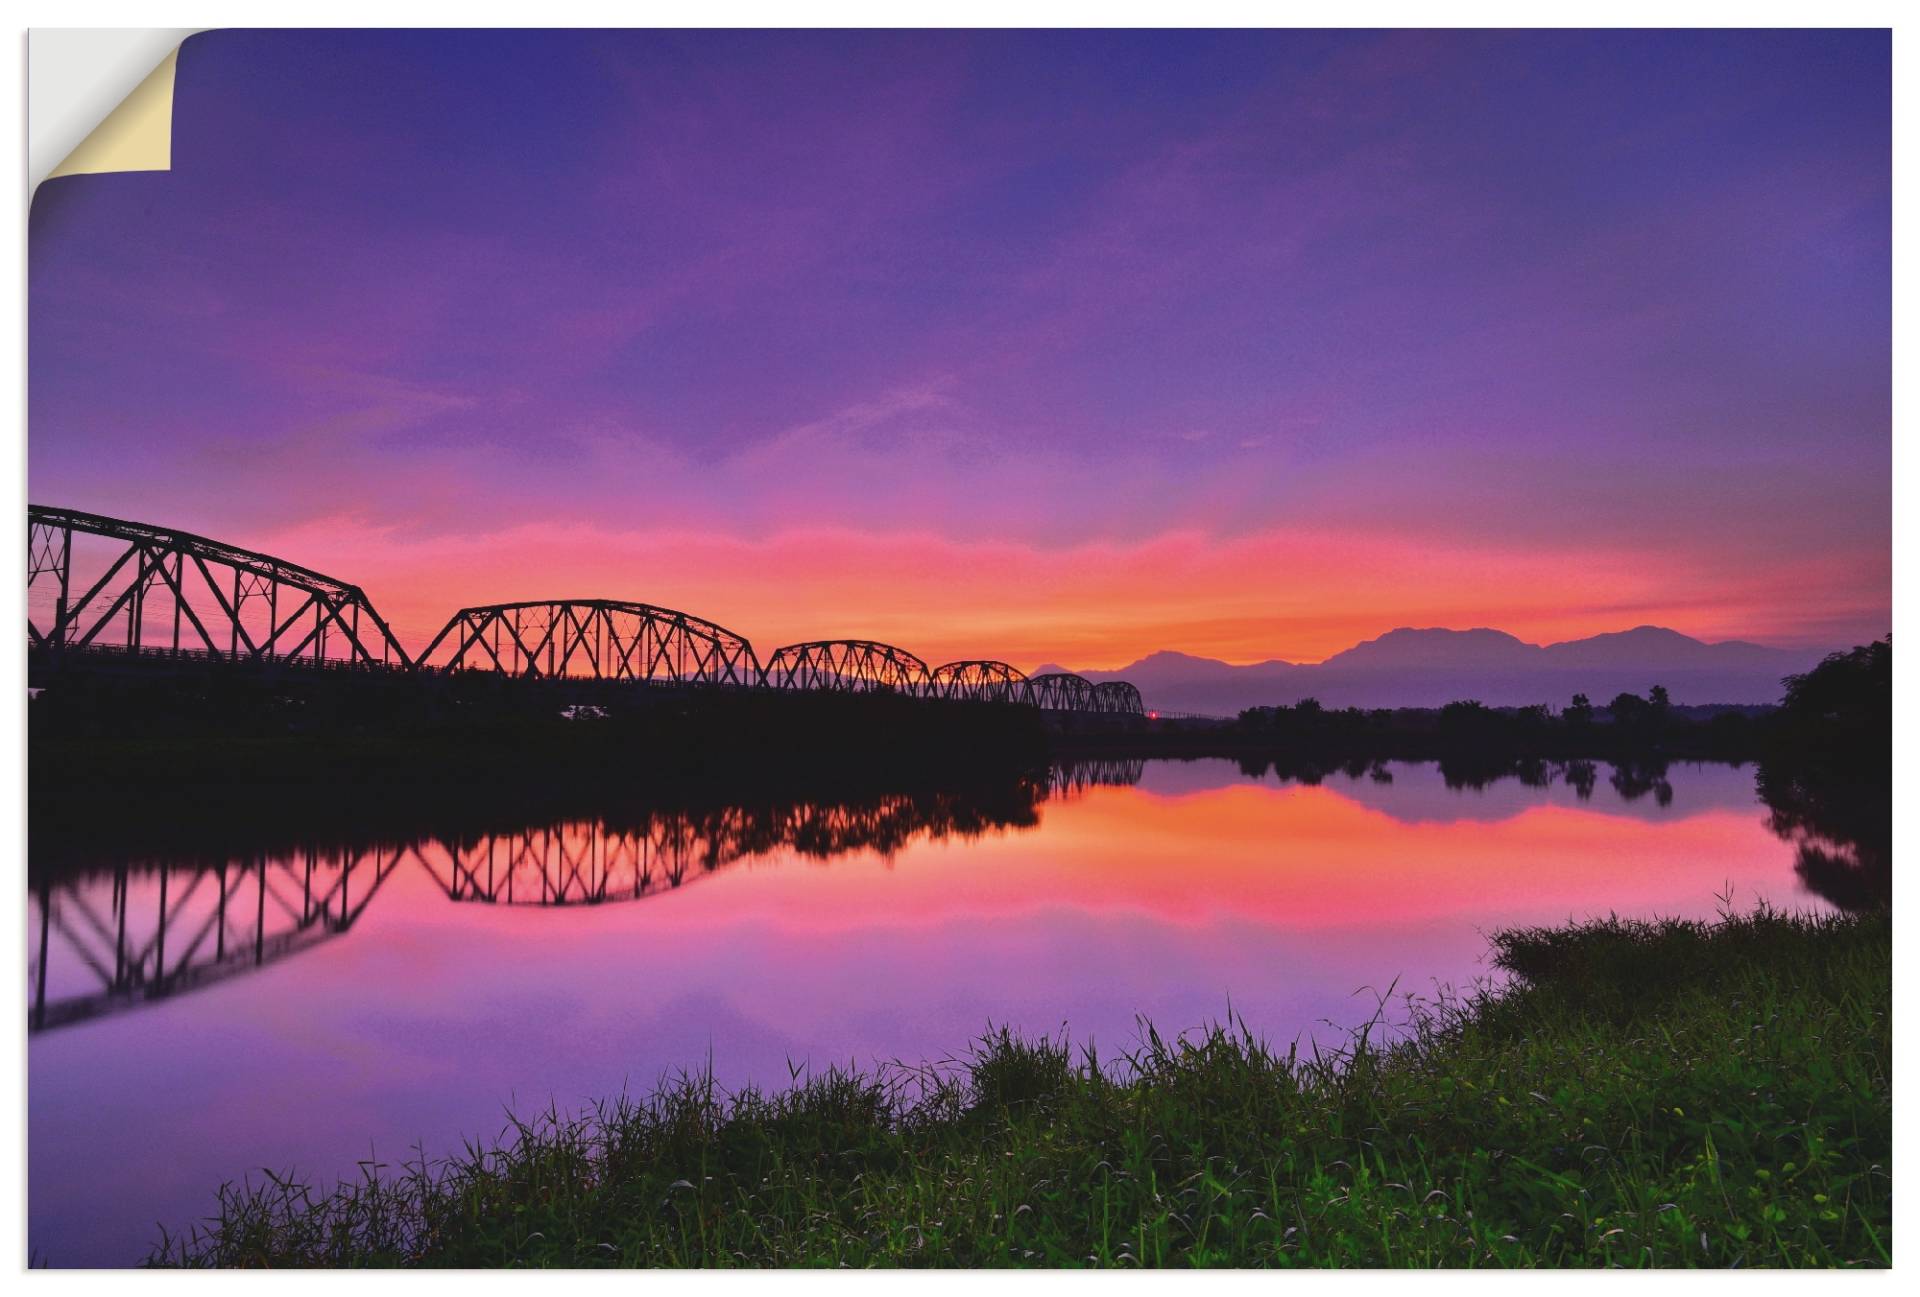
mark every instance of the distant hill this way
{"type": "Point", "coordinates": [1426, 668]}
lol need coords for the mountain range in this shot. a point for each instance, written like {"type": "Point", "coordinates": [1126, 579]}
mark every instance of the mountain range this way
{"type": "Point", "coordinates": [1426, 668]}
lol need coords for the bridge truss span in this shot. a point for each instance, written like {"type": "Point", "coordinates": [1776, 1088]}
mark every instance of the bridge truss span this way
{"type": "Point", "coordinates": [1117, 697]}
{"type": "Point", "coordinates": [978, 680]}
{"type": "Point", "coordinates": [97, 584]}
{"type": "Point", "coordinates": [846, 666]}
{"type": "Point", "coordinates": [594, 639]}
{"type": "Point", "coordinates": [1061, 691]}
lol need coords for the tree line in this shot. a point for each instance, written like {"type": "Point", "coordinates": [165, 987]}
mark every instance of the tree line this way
{"type": "Point", "coordinates": [1839, 711]}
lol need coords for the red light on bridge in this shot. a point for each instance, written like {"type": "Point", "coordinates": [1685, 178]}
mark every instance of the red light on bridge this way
{"type": "Point", "coordinates": [1153, 716]}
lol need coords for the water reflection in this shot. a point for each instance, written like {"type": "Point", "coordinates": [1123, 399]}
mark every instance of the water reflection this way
{"type": "Point", "coordinates": [1841, 828]}
{"type": "Point", "coordinates": [592, 862]}
{"type": "Point", "coordinates": [587, 863]}
{"type": "Point", "coordinates": [1631, 780]}
{"type": "Point", "coordinates": [1071, 777]}
{"type": "Point", "coordinates": [1839, 823]}
{"type": "Point", "coordinates": [454, 967]}
{"type": "Point", "coordinates": [137, 932]}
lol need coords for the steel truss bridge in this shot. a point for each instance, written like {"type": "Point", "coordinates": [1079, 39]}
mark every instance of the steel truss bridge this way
{"type": "Point", "coordinates": [846, 666]}
{"type": "Point", "coordinates": [107, 592]}
{"type": "Point", "coordinates": [149, 590]}
{"type": "Point", "coordinates": [599, 639]}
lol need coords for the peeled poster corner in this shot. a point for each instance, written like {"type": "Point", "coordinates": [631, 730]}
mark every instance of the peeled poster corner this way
{"type": "Point", "coordinates": [100, 100]}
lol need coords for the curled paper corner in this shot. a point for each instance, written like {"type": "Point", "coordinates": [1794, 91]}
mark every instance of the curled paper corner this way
{"type": "Point", "coordinates": [136, 136]}
{"type": "Point", "coordinates": [99, 102]}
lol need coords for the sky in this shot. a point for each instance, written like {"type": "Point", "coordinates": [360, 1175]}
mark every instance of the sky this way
{"type": "Point", "coordinates": [1050, 347]}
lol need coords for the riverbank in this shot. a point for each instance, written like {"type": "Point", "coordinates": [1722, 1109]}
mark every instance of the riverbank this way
{"type": "Point", "coordinates": [1643, 1094]}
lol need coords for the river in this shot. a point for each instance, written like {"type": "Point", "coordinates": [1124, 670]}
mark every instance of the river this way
{"type": "Point", "coordinates": [305, 1007]}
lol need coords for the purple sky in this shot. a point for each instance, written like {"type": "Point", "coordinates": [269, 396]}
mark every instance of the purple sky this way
{"type": "Point", "coordinates": [1045, 346]}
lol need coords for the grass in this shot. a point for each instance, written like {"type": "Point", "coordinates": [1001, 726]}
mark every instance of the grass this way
{"type": "Point", "coordinates": [1643, 1094]}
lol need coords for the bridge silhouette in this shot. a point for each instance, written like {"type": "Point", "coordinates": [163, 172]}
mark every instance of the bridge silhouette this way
{"type": "Point", "coordinates": [104, 593]}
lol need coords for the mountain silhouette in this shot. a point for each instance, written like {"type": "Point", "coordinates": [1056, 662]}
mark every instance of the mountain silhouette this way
{"type": "Point", "coordinates": [1477, 649]}
{"type": "Point", "coordinates": [1426, 667]}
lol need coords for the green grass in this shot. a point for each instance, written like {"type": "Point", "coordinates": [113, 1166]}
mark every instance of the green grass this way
{"type": "Point", "coordinates": [1661, 1093]}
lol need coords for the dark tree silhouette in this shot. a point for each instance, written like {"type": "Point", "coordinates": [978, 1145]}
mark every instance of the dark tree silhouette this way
{"type": "Point", "coordinates": [1627, 709]}
{"type": "Point", "coordinates": [1830, 785]}
{"type": "Point", "coordinates": [1853, 688]}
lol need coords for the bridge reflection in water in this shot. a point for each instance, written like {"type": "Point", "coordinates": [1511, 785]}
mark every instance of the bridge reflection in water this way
{"type": "Point", "coordinates": [147, 931]}
{"type": "Point", "coordinates": [1074, 777]}
{"type": "Point", "coordinates": [596, 861]}
{"type": "Point", "coordinates": [138, 932]}
{"type": "Point", "coordinates": [578, 863]}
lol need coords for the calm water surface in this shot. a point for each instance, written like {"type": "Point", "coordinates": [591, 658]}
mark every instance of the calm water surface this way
{"type": "Point", "coordinates": [322, 1006]}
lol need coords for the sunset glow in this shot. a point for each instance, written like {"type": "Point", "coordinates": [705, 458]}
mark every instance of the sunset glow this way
{"type": "Point", "coordinates": [952, 341]}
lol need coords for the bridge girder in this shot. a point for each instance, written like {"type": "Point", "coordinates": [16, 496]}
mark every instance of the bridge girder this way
{"type": "Point", "coordinates": [595, 639]}
{"type": "Point", "coordinates": [846, 666]}
{"type": "Point", "coordinates": [199, 591]}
